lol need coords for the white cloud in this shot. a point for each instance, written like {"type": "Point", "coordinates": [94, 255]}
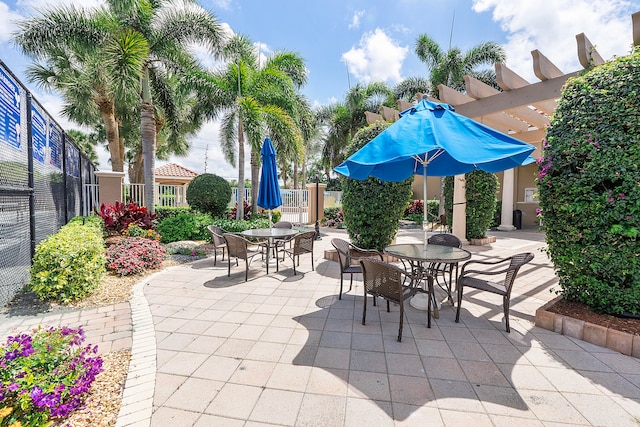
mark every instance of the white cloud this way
{"type": "Point", "coordinates": [378, 58]}
{"type": "Point", "coordinates": [552, 29]}
{"type": "Point", "coordinates": [223, 4]}
{"type": "Point", "coordinates": [355, 20]}
{"type": "Point", "coordinates": [7, 24]}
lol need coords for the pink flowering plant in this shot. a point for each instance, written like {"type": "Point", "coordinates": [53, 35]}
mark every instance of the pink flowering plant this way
{"type": "Point", "coordinates": [589, 187]}
{"type": "Point", "coordinates": [135, 255]}
{"type": "Point", "coordinates": [45, 375]}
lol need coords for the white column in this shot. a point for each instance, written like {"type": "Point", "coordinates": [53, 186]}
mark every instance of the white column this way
{"type": "Point", "coordinates": [506, 217]}
{"type": "Point", "coordinates": [459, 208]}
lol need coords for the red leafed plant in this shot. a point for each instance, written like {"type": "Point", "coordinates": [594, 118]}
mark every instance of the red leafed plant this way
{"type": "Point", "coordinates": [119, 216]}
{"type": "Point", "coordinates": [415, 207]}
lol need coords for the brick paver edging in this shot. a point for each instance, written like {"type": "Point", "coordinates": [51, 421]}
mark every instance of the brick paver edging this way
{"type": "Point", "coordinates": [612, 339]}
{"type": "Point", "coordinates": [137, 398]}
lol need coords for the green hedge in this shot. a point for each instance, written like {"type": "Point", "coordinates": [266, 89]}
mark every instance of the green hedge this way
{"type": "Point", "coordinates": [186, 226]}
{"type": "Point", "coordinates": [68, 265]}
{"type": "Point", "coordinates": [164, 212]}
{"type": "Point", "coordinates": [589, 187]}
{"type": "Point", "coordinates": [373, 208]}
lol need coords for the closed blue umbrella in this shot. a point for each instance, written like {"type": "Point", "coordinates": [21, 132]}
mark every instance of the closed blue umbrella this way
{"type": "Point", "coordinates": [269, 196]}
{"type": "Point", "coordinates": [431, 139]}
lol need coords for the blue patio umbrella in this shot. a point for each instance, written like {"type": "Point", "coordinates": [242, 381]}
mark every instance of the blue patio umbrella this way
{"type": "Point", "coordinates": [431, 139]}
{"type": "Point", "coordinates": [269, 196]}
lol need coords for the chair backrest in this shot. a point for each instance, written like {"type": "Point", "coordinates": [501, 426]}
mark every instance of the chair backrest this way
{"type": "Point", "coordinates": [516, 262]}
{"type": "Point", "coordinates": [236, 245]}
{"type": "Point", "coordinates": [344, 255]}
{"type": "Point", "coordinates": [382, 279]}
{"type": "Point", "coordinates": [216, 235]}
{"type": "Point", "coordinates": [303, 242]}
{"type": "Point", "coordinates": [445, 239]}
{"type": "Point", "coordinates": [283, 224]}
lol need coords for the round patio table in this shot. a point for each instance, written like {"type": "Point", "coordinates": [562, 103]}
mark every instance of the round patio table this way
{"type": "Point", "coordinates": [270, 234]}
{"type": "Point", "coordinates": [418, 254]}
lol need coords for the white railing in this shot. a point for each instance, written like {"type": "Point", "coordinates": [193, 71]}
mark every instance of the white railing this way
{"type": "Point", "coordinates": [234, 196]}
{"type": "Point", "coordinates": [91, 199]}
{"type": "Point", "coordinates": [295, 206]}
{"type": "Point", "coordinates": [164, 195]}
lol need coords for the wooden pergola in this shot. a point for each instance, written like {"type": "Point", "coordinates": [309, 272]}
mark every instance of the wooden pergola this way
{"type": "Point", "coordinates": [521, 110]}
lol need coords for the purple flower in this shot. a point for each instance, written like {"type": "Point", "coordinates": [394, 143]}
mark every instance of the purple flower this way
{"type": "Point", "coordinates": [622, 196]}
{"type": "Point", "coordinates": [611, 199]}
{"type": "Point", "coordinates": [13, 387]}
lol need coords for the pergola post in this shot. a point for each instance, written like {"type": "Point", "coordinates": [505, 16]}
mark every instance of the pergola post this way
{"type": "Point", "coordinates": [506, 216]}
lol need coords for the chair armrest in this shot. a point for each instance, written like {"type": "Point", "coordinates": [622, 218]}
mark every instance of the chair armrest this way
{"type": "Point", "coordinates": [484, 272]}
{"type": "Point", "coordinates": [357, 252]}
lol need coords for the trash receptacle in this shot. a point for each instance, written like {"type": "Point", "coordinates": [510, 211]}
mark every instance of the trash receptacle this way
{"type": "Point", "coordinates": [517, 219]}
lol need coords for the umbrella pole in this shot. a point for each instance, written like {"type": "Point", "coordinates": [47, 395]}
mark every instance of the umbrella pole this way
{"type": "Point", "coordinates": [270, 224]}
{"type": "Point", "coordinates": [425, 216]}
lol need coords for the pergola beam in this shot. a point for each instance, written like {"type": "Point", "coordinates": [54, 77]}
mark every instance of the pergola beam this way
{"type": "Point", "coordinates": [587, 53]}
{"type": "Point", "coordinates": [543, 68]}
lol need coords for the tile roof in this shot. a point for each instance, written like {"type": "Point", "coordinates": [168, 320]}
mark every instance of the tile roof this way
{"type": "Point", "coordinates": [175, 170]}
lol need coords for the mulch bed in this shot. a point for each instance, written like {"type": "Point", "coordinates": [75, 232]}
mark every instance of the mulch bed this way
{"type": "Point", "coordinates": [580, 311]}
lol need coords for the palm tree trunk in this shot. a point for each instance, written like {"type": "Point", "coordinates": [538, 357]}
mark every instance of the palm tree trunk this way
{"type": "Point", "coordinates": [136, 169]}
{"type": "Point", "coordinates": [107, 111]}
{"type": "Point", "coordinates": [240, 208]}
{"type": "Point", "coordinates": [255, 179]}
{"type": "Point", "coordinates": [295, 173]}
{"type": "Point", "coordinates": [148, 133]}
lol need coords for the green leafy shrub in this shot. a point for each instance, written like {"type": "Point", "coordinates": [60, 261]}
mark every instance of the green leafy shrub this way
{"type": "Point", "coordinates": [246, 212]}
{"type": "Point", "coordinates": [164, 212]}
{"type": "Point", "coordinates": [188, 226]}
{"type": "Point", "coordinates": [118, 216]}
{"type": "Point", "coordinates": [415, 210]}
{"type": "Point", "coordinates": [135, 231]}
{"type": "Point", "coordinates": [68, 265]}
{"type": "Point", "coordinates": [589, 187]}
{"type": "Point", "coordinates": [480, 192]}
{"type": "Point", "coordinates": [209, 193]}
{"type": "Point", "coordinates": [373, 208]}
{"type": "Point", "coordinates": [333, 217]}
{"type": "Point", "coordinates": [275, 216]}
{"type": "Point", "coordinates": [45, 376]}
{"type": "Point", "coordinates": [134, 255]}
{"type": "Point", "coordinates": [91, 221]}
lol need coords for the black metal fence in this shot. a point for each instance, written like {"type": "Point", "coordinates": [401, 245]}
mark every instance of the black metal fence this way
{"type": "Point", "coordinates": [42, 174]}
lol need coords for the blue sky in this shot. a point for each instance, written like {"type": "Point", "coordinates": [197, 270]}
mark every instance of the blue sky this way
{"type": "Point", "coordinates": [347, 41]}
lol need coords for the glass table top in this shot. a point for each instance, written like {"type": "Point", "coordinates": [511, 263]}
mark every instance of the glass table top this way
{"type": "Point", "coordinates": [429, 253]}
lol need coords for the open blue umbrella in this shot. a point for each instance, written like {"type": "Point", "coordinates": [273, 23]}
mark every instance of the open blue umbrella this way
{"type": "Point", "coordinates": [269, 196]}
{"type": "Point", "coordinates": [431, 139]}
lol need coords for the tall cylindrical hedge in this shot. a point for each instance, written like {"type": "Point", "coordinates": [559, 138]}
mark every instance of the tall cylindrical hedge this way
{"type": "Point", "coordinates": [589, 187]}
{"type": "Point", "coordinates": [373, 208]}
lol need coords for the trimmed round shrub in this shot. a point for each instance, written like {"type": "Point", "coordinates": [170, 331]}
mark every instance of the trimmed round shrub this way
{"type": "Point", "coordinates": [589, 187]}
{"type": "Point", "coordinates": [209, 193]}
{"type": "Point", "coordinates": [188, 226]}
{"type": "Point", "coordinates": [373, 208]}
{"type": "Point", "coordinates": [135, 255]}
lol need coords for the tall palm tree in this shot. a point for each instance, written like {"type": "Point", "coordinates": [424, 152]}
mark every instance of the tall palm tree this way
{"type": "Point", "coordinates": [253, 101]}
{"type": "Point", "coordinates": [344, 119]}
{"type": "Point", "coordinates": [449, 67]}
{"type": "Point", "coordinates": [139, 44]}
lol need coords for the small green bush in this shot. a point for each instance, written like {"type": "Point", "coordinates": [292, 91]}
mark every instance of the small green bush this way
{"type": "Point", "coordinates": [589, 187]}
{"type": "Point", "coordinates": [91, 221]}
{"type": "Point", "coordinates": [373, 208]}
{"type": "Point", "coordinates": [275, 215]}
{"type": "Point", "coordinates": [68, 265]}
{"type": "Point", "coordinates": [134, 255]}
{"type": "Point", "coordinates": [188, 226]}
{"type": "Point", "coordinates": [164, 212]}
{"type": "Point", "coordinates": [209, 193]}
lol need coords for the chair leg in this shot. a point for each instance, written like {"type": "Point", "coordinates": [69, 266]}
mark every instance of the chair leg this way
{"type": "Point", "coordinates": [229, 268]}
{"type": "Point", "coordinates": [401, 320]}
{"type": "Point", "coordinates": [351, 282]}
{"type": "Point", "coordinates": [223, 250]}
{"type": "Point", "coordinates": [246, 270]}
{"type": "Point", "coordinates": [388, 310]}
{"type": "Point", "coordinates": [312, 268]}
{"type": "Point", "coordinates": [506, 313]}
{"type": "Point", "coordinates": [364, 308]}
{"type": "Point", "coordinates": [341, 280]}
{"type": "Point", "coordinates": [215, 257]}
{"type": "Point", "coordinates": [459, 302]}
{"type": "Point", "coordinates": [293, 259]}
